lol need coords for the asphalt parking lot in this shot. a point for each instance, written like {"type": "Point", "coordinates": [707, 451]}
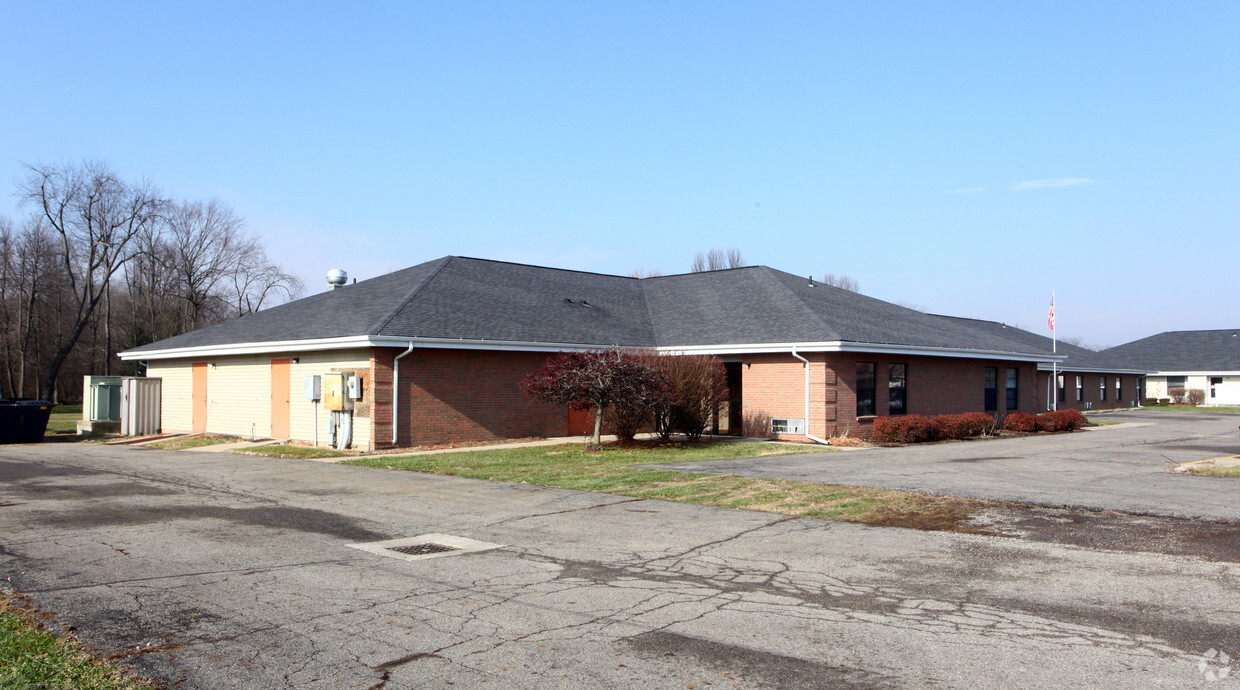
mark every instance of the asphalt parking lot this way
{"type": "Point", "coordinates": [212, 570]}
{"type": "Point", "coordinates": [1122, 467]}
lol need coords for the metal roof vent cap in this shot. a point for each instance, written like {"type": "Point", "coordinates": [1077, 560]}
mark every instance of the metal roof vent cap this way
{"type": "Point", "coordinates": [337, 277]}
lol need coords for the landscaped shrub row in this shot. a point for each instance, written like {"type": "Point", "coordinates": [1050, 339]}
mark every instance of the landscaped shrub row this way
{"type": "Point", "coordinates": [1057, 420]}
{"type": "Point", "coordinates": [916, 428]}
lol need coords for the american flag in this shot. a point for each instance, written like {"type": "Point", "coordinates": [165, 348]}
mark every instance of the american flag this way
{"type": "Point", "coordinates": [1050, 318]}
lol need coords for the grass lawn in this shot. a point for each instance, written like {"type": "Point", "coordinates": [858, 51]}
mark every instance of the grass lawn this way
{"type": "Point", "coordinates": [64, 419]}
{"type": "Point", "coordinates": [1215, 471]}
{"type": "Point", "coordinates": [287, 451]}
{"type": "Point", "coordinates": [1097, 421]}
{"type": "Point", "coordinates": [610, 470]}
{"type": "Point", "coordinates": [194, 442]}
{"type": "Point", "coordinates": [31, 657]}
{"type": "Point", "coordinates": [1194, 408]}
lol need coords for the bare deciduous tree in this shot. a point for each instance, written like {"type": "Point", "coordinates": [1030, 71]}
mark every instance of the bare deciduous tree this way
{"type": "Point", "coordinates": [95, 218]}
{"type": "Point", "coordinates": [207, 247]}
{"type": "Point", "coordinates": [842, 281]}
{"type": "Point", "coordinates": [102, 263]}
{"type": "Point", "coordinates": [717, 260]}
{"type": "Point", "coordinates": [1080, 342]}
{"type": "Point", "coordinates": [256, 280]}
{"type": "Point", "coordinates": [641, 273]}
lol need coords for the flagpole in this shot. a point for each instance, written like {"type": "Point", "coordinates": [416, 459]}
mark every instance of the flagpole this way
{"type": "Point", "coordinates": [1054, 351]}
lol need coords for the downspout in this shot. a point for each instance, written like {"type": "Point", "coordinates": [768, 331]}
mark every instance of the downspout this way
{"type": "Point", "coordinates": [807, 434]}
{"type": "Point", "coordinates": [396, 389]}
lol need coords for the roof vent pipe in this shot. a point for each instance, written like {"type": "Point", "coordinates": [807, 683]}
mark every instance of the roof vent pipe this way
{"type": "Point", "coordinates": [337, 277]}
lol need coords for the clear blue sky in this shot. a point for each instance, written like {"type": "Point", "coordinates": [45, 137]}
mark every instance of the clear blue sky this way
{"type": "Point", "coordinates": [965, 157]}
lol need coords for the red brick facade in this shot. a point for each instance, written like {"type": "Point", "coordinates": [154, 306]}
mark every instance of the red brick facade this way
{"type": "Point", "coordinates": [449, 396]}
{"type": "Point", "coordinates": [471, 395]}
{"type": "Point", "coordinates": [774, 387]}
{"type": "Point", "coordinates": [1128, 395]}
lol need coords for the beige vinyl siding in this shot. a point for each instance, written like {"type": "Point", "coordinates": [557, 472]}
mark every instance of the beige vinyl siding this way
{"type": "Point", "coordinates": [301, 411]}
{"type": "Point", "coordinates": [176, 404]}
{"type": "Point", "coordinates": [1156, 386]}
{"type": "Point", "coordinates": [239, 394]}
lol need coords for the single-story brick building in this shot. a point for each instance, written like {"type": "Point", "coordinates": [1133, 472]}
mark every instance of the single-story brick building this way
{"type": "Point", "coordinates": [1208, 361]}
{"type": "Point", "coordinates": [1084, 379]}
{"type": "Point", "coordinates": [439, 349]}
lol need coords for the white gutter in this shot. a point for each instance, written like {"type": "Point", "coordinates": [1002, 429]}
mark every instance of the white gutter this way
{"type": "Point", "coordinates": [1092, 370]}
{"type": "Point", "coordinates": [354, 342]}
{"type": "Point", "coordinates": [396, 389]}
{"type": "Point", "coordinates": [1196, 372]}
{"type": "Point", "coordinates": [845, 346]}
{"type": "Point", "coordinates": [807, 434]}
{"type": "Point", "coordinates": [368, 341]}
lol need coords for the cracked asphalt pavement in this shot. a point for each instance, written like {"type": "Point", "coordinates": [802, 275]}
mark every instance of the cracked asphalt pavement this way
{"type": "Point", "coordinates": [1122, 467]}
{"type": "Point", "coordinates": [213, 570]}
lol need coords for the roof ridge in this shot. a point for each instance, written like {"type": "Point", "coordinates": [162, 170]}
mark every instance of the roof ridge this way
{"type": "Point", "coordinates": [545, 268]}
{"type": "Point", "coordinates": [713, 270]}
{"type": "Point", "coordinates": [768, 271]}
{"type": "Point", "coordinates": [383, 322]}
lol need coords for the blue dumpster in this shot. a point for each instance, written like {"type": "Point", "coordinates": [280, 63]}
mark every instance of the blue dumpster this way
{"type": "Point", "coordinates": [23, 421]}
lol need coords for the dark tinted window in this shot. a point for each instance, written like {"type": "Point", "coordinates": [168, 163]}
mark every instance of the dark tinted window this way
{"type": "Point", "coordinates": [897, 388]}
{"type": "Point", "coordinates": [865, 389]}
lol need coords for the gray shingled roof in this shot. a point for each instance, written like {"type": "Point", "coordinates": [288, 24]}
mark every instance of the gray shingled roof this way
{"type": "Point", "coordinates": [1078, 358]}
{"type": "Point", "coordinates": [1184, 351]}
{"type": "Point", "coordinates": [477, 299]}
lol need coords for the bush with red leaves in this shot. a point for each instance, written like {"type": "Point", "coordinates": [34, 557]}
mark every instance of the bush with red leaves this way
{"type": "Point", "coordinates": [599, 379]}
{"type": "Point", "coordinates": [1021, 422]}
{"type": "Point", "coordinates": [962, 426]}
{"type": "Point", "coordinates": [912, 428]}
{"type": "Point", "coordinates": [1064, 420]}
{"type": "Point", "coordinates": [920, 429]}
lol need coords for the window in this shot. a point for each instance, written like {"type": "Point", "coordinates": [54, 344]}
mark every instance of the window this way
{"type": "Point", "coordinates": [1176, 382]}
{"type": "Point", "coordinates": [1063, 393]}
{"type": "Point", "coordinates": [865, 389]}
{"type": "Point", "coordinates": [1080, 389]}
{"type": "Point", "coordinates": [787, 426]}
{"type": "Point", "coordinates": [992, 379]}
{"type": "Point", "coordinates": [897, 388]}
{"type": "Point", "coordinates": [1119, 388]}
{"type": "Point", "coordinates": [1102, 388]}
{"type": "Point", "coordinates": [1012, 377]}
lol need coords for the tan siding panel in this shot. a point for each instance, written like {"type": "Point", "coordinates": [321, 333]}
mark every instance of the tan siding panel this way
{"type": "Point", "coordinates": [301, 411]}
{"type": "Point", "coordinates": [176, 395]}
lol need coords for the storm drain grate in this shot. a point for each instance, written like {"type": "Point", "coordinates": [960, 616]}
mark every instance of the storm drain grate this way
{"type": "Point", "coordinates": [425, 546]}
{"type": "Point", "coordinates": [422, 549]}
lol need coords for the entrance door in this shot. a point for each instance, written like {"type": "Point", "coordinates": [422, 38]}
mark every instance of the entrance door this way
{"type": "Point", "coordinates": [579, 422]}
{"type": "Point", "coordinates": [199, 394]}
{"type": "Point", "coordinates": [736, 422]}
{"type": "Point", "coordinates": [279, 398]}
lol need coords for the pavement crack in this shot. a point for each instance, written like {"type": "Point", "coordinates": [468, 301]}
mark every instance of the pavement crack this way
{"type": "Point", "coordinates": [562, 512]}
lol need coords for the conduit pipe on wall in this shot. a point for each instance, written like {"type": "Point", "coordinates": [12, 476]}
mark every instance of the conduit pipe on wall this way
{"type": "Point", "coordinates": [396, 389]}
{"type": "Point", "coordinates": [807, 434]}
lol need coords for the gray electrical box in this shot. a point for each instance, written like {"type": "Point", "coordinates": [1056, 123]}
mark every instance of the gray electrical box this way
{"type": "Point", "coordinates": [314, 388]}
{"type": "Point", "coordinates": [353, 387]}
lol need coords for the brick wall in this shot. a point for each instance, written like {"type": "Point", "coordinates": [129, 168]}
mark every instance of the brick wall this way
{"type": "Point", "coordinates": [773, 386]}
{"type": "Point", "coordinates": [450, 396]}
{"type": "Point", "coordinates": [463, 395]}
{"type": "Point", "coordinates": [1091, 393]}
